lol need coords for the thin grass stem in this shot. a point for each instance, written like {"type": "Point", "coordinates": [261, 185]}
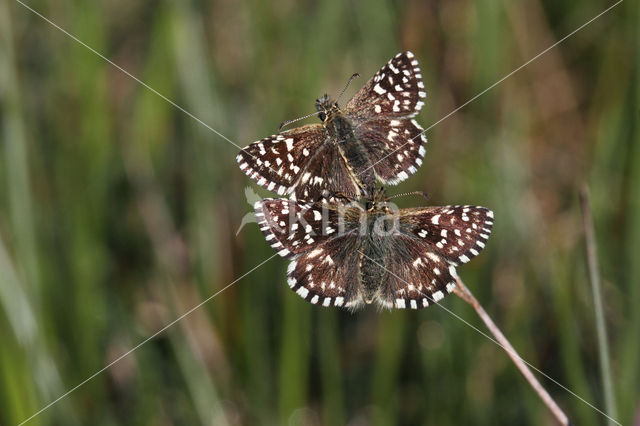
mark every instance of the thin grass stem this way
{"type": "Point", "coordinates": [465, 294]}
{"type": "Point", "coordinates": [596, 288]}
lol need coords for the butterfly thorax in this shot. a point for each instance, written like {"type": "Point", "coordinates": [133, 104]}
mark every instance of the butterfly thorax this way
{"type": "Point", "coordinates": [339, 130]}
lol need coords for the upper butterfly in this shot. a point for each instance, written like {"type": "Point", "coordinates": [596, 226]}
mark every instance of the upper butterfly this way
{"type": "Point", "coordinates": [372, 137]}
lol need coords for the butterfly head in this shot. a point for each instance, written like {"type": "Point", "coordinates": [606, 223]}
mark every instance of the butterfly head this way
{"type": "Point", "coordinates": [377, 201]}
{"type": "Point", "coordinates": [326, 107]}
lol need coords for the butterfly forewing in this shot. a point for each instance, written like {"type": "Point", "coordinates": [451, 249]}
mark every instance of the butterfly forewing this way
{"type": "Point", "coordinates": [455, 233]}
{"type": "Point", "coordinates": [292, 228]}
{"type": "Point", "coordinates": [396, 90]}
{"type": "Point", "coordinates": [276, 162]}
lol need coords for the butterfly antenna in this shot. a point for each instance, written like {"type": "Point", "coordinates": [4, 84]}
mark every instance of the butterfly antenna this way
{"type": "Point", "coordinates": [347, 85]}
{"type": "Point", "coordinates": [421, 193]}
{"type": "Point", "coordinates": [286, 123]}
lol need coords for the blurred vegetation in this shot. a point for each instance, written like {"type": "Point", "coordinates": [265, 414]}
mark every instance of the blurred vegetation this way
{"type": "Point", "coordinates": [118, 212]}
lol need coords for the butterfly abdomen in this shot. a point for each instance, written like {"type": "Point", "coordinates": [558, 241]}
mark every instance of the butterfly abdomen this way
{"type": "Point", "coordinates": [353, 153]}
{"type": "Point", "coordinates": [380, 225]}
{"type": "Point", "coordinates": [371, 270]}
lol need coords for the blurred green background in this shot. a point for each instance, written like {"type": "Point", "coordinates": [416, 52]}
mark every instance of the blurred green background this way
{"type": "Point", "coordinates": [118, 212]}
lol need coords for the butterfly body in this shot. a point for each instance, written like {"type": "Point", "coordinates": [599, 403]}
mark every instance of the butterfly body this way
{"type": "Point", "coordinates": [339, 129]}
{"type": "Point", "coordinates": [372, 138]}
{"type": "Point", "coordinates": [373, 252]}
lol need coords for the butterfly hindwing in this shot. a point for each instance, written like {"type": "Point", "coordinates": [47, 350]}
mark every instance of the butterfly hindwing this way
{"type": "Point", "coordinates": [395, 147]}
{"type": "Point", "coordinates": [413, 277]}
{"type": "Point", "coordinates": [325, 175]}
{"type": "Point", "coordinates": [329, 274]}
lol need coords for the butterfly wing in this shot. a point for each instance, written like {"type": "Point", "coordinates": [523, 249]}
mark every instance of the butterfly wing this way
{"type": "Point", "coordinates": [325, 175]}
{"type": "Point", "coordinates": [299, 161]}
{"type": "Point", "coordinates": [381, 113]}
{"type": "Point", "coordinates": [322, 241]}
{"type": "Point", "coordinates": [432, 241]}
{"type": "Point", "coordinates": [276, 162]}
{"type": "Point", "coordinates": [330, 273]}
{"type": "Point", "coordinates": [395, 147]}
{"type": "Point", "coordinates": [456, 233]}
{"type": "Point", "coordinates": [292, 228]}
{"type": "Point", "coordinates": [395, 91]}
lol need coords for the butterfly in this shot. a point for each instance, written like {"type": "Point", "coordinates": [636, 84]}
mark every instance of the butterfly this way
{"type": "Point", "coordinates": [349, 255]}
{"type": "Point", "coordinates": [373, 137]}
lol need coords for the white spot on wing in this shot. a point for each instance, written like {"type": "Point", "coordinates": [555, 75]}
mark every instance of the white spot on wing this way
{"type": "Point", "coordinates": [315, 252]}
{"type": "Point", "coordinates": [433, 257]}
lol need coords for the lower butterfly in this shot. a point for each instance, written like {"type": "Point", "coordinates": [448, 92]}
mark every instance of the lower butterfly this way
{"type": "Point", "coordinates": [348, 255]}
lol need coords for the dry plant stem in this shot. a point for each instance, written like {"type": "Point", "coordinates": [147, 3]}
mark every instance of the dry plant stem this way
{"type": "Point", "coordinates": [601, 329]}
{"type": "Point", "coordinates": [463, 292]}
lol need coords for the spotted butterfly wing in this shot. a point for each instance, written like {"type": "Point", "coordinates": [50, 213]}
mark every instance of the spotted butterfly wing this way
{"type": "Point", "coordinates": [455, 233]}
{"type": "Point", "coordinates": [301, 162]}
{"type": "Point", "coordinates": [339, 259]}
{"type": "Point", "coordinates": [395, 147]}
{"type": "Point", "coordinates": [293, 228]}
{"type": "Point", "coordinates": [322, 240]}
{"type": "Point", "coordinates": [381, 112]}
{"type": "Point", "coordinates": [430, 244]}
{"type": "Point", "coordinates": [274, 162]}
